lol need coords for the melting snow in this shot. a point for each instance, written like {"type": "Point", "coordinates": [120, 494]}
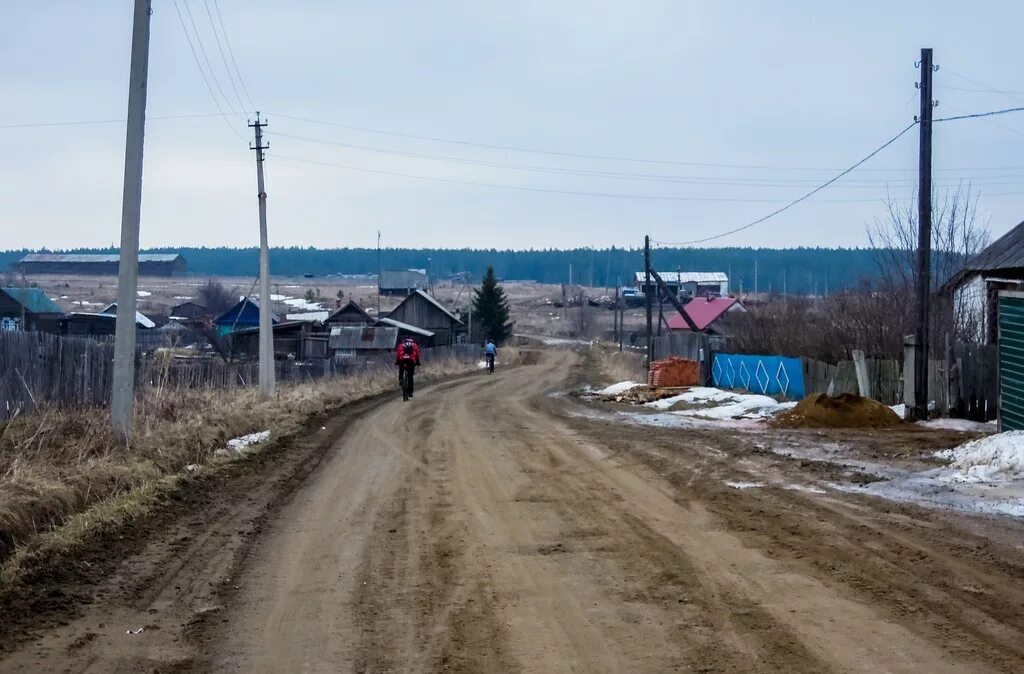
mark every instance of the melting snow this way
{"type": "Point", "coordinates": [965, 425]}
{"type": "Point", "coordinates": [143, 293]}
{"type": "Point", "coordinates": [238, 444]}
{"type": "Point", "coordinates": [744, 485]}
{"type": "Point", "coordinates": [617, 389]}
{"type": "Point", "coordinates": [995, 458]}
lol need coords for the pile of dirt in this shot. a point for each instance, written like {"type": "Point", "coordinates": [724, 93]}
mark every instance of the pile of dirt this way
{"type": "Point", "coordinates": [846, 410]}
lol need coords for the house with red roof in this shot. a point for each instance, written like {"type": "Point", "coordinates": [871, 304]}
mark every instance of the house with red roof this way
{"type": "Point", "coordinates": [706, 313]}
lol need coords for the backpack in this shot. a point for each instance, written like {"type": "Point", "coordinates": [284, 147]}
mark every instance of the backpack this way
{"type": "Point", "coordinates": [407, 348]}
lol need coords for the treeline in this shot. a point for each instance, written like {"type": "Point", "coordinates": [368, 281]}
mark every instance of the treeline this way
{"type": "Point", "coordinates": [791, 270]}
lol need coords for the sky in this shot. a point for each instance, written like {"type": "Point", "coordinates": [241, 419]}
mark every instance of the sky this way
{"type": "Point", "coordinates": [677, 119]}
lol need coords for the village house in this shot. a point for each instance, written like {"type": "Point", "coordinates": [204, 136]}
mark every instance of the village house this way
{"type": "Point", "coordinates": [40, 312]}
{"type": "Point", "coordinates": [707, 314]}
{"type": "Point", "coordinates": [244, 315]}
{"type": "Point", "coordinates": [975, 288]}
{"type": "Point", "coordinates": [350, 314]}
{"type": "Point", "coordinates": [421, 310]}
{"type": "Point", "coordinates": [402, 281]}
{"type": "Point", "coordinates": [686, 283]}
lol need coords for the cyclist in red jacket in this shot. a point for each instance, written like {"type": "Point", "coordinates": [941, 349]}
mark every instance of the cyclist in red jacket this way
{"type": "Point", "coordinates": [407, 357]}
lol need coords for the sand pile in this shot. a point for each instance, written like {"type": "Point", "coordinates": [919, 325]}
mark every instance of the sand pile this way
{"type": "Point", "coordinates": [846, 410]}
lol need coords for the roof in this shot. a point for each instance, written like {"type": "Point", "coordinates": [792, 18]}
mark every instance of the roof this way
{"type": "Point", "coordinates": [91, 258]}
{"type": "Point", "coordinates": [34, 300]}
{"type": "Point", "coordinates": [380, 338]}
{"type": "Point", "coordinates": [1006, 252]}
{"type": "Point", "coordinates": [430, 298]}
{"type": "Point", "coordinates": [284, 326]}
{"type": "Point", "coordinates": [351, 306]}
{"type": "Point", "coordinates": [687, 277]}
{"type": "Point", "coordinates": [407, 279]}
{"type": "Point", "coordinates": [405, 326]}
{"type": "Point", "coordinates": [140, 320]}
{"type": "Point", "coordinates": [245, 312]}
{"type": "Point", "coordinates": [704, 312]}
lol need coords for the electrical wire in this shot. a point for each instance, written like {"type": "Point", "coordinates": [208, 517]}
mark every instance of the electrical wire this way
{"type": "Point", "coordinates": [231, 53]}
{"type": "Point", "coordinates": [209, 65]}
{"type": "Point", "coordinates": [644, 177]}
{"type": "Point", "coordinates": [103, 121]}
{"type": "Point", "coordinates": [978, 115]}
{"type": "Point", "coordinates": [223, 58]}
{"type": "Point", "coordinates": [525, 188]}
{"type": "Point", "coordinates": [987, 121]}
{"type": "Point", "coordinates": [793, 203]}
{"type": "Point", "coordinates": [209, 88]}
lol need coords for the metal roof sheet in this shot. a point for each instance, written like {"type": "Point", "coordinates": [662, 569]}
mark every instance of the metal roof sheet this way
{"type": "Point", "coordinates": [687, 276]}
{"type": "Point", "coordinates": [406, 327]}
{"type": "Point", "coordinates": [96, 258]}
{"type": "Point", "coordinates": [379, 338]}
{"type": "Point", "coordinates": [704, 312]}
{"type": "Point", "coordinates": [34, 300]}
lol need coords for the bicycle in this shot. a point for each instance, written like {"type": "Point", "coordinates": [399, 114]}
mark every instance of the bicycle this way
{"type": "Point", "coordinates": [405, 380]}
{"type": "Point", "coordinates": [490, 363]}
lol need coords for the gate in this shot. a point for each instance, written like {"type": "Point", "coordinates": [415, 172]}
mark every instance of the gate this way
{"type": "Point", "coordinates": [1011, 360]}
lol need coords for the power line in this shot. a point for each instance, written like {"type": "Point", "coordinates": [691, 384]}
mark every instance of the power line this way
{"type": "Point", "coordinates": [988, 121]}
{"type": "Point", "coordinates": [231, 53]}
{"type": "Point", "coordinates": [102, 121]}
{"type": "Point", "coordinates": [206, 58]}
{"type": "Point", "coordinates": [800, 199]}
{"type": "Point", "coordinates": [554, 153]}
{"type": "Point", "coordinates": [645, 177]}
{"type": "Point", "coordinates": [1002, 92]}
{"type": "Point", "coordinates": [977, 115]}
{"type": "Point", "coordinates": [195, 56]}
{"type": "Point", "coordinates": [525, 188]}
{"type": "Point", "coordinates": [223, 58]}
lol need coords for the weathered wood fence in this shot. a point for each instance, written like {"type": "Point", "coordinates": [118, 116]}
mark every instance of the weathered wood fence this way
{"type": "Point", "coordinates": [39, 368]}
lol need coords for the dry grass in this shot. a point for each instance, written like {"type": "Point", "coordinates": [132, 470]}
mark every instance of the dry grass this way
{"type": "Point", "coordinates": [58, 463]}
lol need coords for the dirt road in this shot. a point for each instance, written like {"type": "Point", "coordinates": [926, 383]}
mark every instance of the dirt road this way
{"type": "Point", "coordinates": [485, 526]}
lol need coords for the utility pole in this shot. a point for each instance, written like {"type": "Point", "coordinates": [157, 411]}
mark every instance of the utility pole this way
{"type": "Point", "coordinates": [24, 297]}
{"type": "Point", "coordinates": [122, 403]}
{"type": "Point", "coordinates": [924, 238]}
{"type": "Point", "coordinates": [267, 384]}
{"type": "Point", "coordinates": [647, 299]}
{"type": "Point", "coordinates": [378, 273]}
{"type": "Point", "coordinates": [755, 280]}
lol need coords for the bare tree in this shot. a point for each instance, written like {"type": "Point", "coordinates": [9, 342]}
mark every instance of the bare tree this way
{"type": "Point", "coordinates": [216, 297]}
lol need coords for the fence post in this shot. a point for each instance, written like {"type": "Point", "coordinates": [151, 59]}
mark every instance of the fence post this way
{"type": "Point", "coordinates": [861, 368]}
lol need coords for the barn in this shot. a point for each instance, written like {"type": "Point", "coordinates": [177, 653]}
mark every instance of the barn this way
{"type": "Point", "coordinates": [402, 281]}
{"type": "Point", "coordinates": [420, 309]}
{"type": "Point", "coordinates": [98, 265]}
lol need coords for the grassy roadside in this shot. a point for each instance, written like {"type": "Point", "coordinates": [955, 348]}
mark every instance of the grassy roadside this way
{"type": "Point", "coordinates": [65, 475]}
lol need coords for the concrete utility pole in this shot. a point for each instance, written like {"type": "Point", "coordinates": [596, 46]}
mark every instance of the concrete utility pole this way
{"type": "Point", "coordinates": [647, 299]}
{"type": "Point", "coordinates": [924, 238]}
{"type": "Point", "coordinates": [122, 408]}
{"type": "Point", "coordinates": [267, 384]}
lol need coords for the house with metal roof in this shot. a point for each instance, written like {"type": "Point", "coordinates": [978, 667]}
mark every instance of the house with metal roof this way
{"type": "Point", "coordinates": [353, 340]}
{"type": "Point", "coordinates": [422, 310]}
{"type": "Point", "coordinates": [98, 265]}
{"type": "Point", "coordinates": [244, 315]}
{"type": "Point", "coordinates": [40, 312]}
{"type": "Point", "coordinates": [687, 283]}
{"type": "Point", "coordinates": [402, 281]}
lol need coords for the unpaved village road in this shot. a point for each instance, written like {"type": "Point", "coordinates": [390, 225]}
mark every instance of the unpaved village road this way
{"type": "Point", "coordinates": [486, 526]}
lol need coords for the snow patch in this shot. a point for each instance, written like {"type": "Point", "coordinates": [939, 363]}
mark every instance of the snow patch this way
{"type": "Point", "coordinates": [996, 458]}
{"type": "Point", "coordinates": [309, 316]}
{"type": "Point", "coordinates": [964, 425]}
{"type": "Point", "coordinates": [143, 293]}
{"type": "Point", "coordinates": [744, 485]}
{"type": "Point", "coordinates": [900, 410]}
{"type": "Point", "coordinates": [238, 444]}
{"type": "Point", "coordinates": [617, 389]}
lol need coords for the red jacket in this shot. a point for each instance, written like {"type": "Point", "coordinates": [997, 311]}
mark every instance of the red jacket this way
{"type": "Point", "coordinates": [401, 355]}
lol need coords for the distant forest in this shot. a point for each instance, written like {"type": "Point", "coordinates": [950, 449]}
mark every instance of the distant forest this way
{"type": "Point", "coordinates": [793, 270]}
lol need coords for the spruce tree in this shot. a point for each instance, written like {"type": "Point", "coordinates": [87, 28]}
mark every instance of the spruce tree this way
{"type": "Point", "coordinates": [491, 310]}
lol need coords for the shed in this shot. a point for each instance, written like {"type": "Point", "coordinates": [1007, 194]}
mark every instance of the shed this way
{"type": "Point", "coordinates": [423, 311]}
{"type": "Point", "coordinates": [140, 320]}
{"type": "Point", "coordinates": [976, 287]}
{"type": "Point", "coordinates": [402, 281]}
{"type": "Point", "coordinates": [687, 283]}
{"type": "Point", "coordinates": [244, 315]}
{"type": "Point", "coordinates": [190, 311]}
{"type": "Point", "coordinates": [41, 313]}
{"type": "Point", "coordinates": [350, 314]}
{"type": "Point", "coordinates": [357, 340]}
{"type": "Point", "coordinates": [292, 339]}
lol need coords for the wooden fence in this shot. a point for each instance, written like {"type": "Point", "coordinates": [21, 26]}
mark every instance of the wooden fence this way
{"type": "Point", "coordinates": [40, 368]}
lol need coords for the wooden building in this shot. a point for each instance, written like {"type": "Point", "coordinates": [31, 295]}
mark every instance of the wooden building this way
{"type": "Point", "coordinates": [40, 312]}
{"type": "Point", "coordinates": [402, 281]}
{"type": "Point", "coordinates": [421, 310]}
{"type": "Point", "coordinates": [350, 314]}
{"type": "Point", "coordinates": [99, 265]}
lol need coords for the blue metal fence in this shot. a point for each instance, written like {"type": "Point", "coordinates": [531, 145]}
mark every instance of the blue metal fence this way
{"type": "Point", "coordinates": [768, 375]}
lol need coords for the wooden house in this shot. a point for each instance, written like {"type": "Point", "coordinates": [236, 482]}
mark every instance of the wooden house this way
{"type": "Point", "coordinates": [421, 310]}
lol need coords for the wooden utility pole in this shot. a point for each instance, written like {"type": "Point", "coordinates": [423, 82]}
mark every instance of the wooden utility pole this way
{"type": "Point", "coordinates": [924, 238]}
{"type": "Point", "coordinates": [378, 273]}
{"type": "Point", "coordinates": [266, 349]}
{"type": "Point", "coordinates": [647, 299]}
{"type": "Point", "coordinates": [24, 297]}
{"type": "Point", "coordinates": [122, 407]}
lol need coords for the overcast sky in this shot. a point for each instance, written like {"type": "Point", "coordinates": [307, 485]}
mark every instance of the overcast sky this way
{"type": "Point", "coordinates": [777, 86]}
